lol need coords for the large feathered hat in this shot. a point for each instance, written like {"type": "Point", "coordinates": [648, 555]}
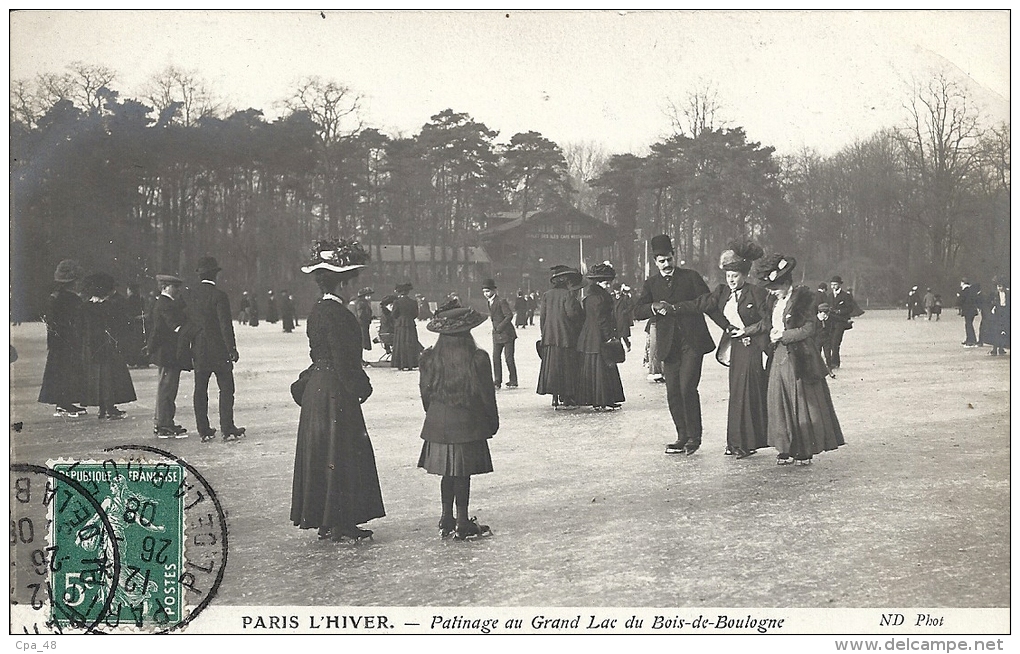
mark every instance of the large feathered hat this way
{"type": "Point", "coordinates": [601, 272]}
{"type": "Point", "coordinates": [336, 254]}
{"type": "Point", "coordinates": [739, 256]}
{"type": "Point", "coordinates": [776, 268]}
{"type": "Point", "coordinates": [453, 318]}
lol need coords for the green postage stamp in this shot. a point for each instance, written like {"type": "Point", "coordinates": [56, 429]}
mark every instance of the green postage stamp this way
{"type": "Point", "coordinates": [113, 556]}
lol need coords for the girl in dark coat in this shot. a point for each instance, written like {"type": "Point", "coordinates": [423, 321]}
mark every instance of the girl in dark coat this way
{"type": "Point", "coordinates": [63, 376]}
{"type": "Point", "coordinates": [406, 347]}
{"type": "Point", "coordinates": [801, 419]}
{"type": "Point", "coordinates": [560, 322]}
{"type": "Point", "coordinates": [459, 398]}
{"type": "Point", "coordinates": [336, 484]}
{"type": "Point", "coordinates": [599, 385]}
{"type": "Point", "coordinates": [734, 306]}
{"type": "Point", "coordinates": [107, 380]}
{"type": "Point", "coordinates": [999, 317]}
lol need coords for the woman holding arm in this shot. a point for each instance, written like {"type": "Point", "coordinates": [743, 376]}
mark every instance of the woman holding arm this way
{"type": "Point", "coordinates": [801, 419]}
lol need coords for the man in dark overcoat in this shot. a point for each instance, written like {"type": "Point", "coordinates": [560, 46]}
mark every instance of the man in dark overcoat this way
{"type": "Point", "coordinates": [164, 347]}
{"type": "Point", "coordinates": [967, 302]}
{"type": "Point", "coordinates": [843, 308]}
{"type": "Point", "coordinates": [214, 350]}
{"type": "Point", "coordinates": [682, 340]}
{"type": "Point", "coordinates": [363, 312]}
{"type": "Point", "coordinates": [63, 377]}
{"type": "Point", "coordinates": [503, 335]}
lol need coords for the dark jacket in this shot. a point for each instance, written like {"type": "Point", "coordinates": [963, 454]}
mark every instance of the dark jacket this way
{"type": "Point", "coordinates": [843, 308]}
{"type": "Point", "coordinates": [405, 310]}
{"type": "Point", "coordinates": [210, 327]}
{"type": "Point", "coordinates": [334, 343]}
{"type": "Point", "coordinates": [561, 318]}
{"type": "Point", "coordinates": [800, 331]}
{"type": "Point", "coordinates": [446, 422]}
{"type": "Point", "coordinates": [599, 325]}
{"type": "Point", "coordinates": [675, 330]}
{"type": "Point", "coordinates": [751, 306]}
{"type": "Point", "coordinates": [62, 378]}
{"type": "Point", "coordinates": [968, 301]}
{"type": "Point", "coordinates": [168, 318]}
{"type": "Point", "coordinates": [502, 320]}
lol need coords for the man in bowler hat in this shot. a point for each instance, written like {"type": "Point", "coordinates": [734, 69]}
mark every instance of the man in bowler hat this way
{"type": "Point", "coordinates": [682, 340]}
{"type": "Point", "coordinates": [214, 349]}
{"type": "Point", "coordinates": [843, 308]}
{"type": "Point", "coordinates": [164, 349]}
{"type": "Point", "coordinates": [503, 335]}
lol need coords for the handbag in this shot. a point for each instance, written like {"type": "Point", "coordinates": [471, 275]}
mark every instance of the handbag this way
{"type": "Point", "coordinates": [538, 347]}
{"type": "Point", "coordinates": [613, 352]}
{"type": "Point", "coordinates": [297, 389]}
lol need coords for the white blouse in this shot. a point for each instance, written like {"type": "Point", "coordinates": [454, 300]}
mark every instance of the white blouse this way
{"type": "Point", "coordinates": [730, 311]}
{"type": "Point", "coordinates": [778, 311]}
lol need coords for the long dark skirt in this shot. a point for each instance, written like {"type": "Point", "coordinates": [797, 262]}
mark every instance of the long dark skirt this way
{"type": "Point", "coordinates": [107, 381]}
{"type": "Point", "coordinates": [746, 424]}
{"type": "Point", "coordinates": [366, 339]}
{"type": "Point", "coordinates": [406, 348]}
{"type": "Point", "coordinates": [456, 459]}
{"type": "Point", "coordinates": [559, 371]}
{"type": "Point", "coordinates": [63, 377]}
{"type": "Point", "coordinates": [288, 322]}
{"type": "Point", "coordinates": [336, 483]}
{"type": "Point", "coordinates": [599, 382]}
{"type": "Point", "coordinates": [801, 419]}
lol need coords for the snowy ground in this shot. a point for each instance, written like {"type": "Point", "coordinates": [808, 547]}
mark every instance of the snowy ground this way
{"type": "Point", "coordinates": [586, 508]}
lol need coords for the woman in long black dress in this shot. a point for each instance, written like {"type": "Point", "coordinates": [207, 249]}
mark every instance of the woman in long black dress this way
{"type": "Point", "coordinates": [560, 322]}
{"type": "Point", "coordinates": [736, 305]}
{"type": "Point", "coordinates": [63, 376]}
{"type": "Point", "coordinates": [336, 485]}
{"type": "Point", "coordinates": [459, 397]}
{"type": "Point", "coordinates": [599, 385]}
{"type": "Point", "coordinates": [801, 419]}
{"type": "Point", "coordinates": [107, 380]}
{"type": "Point", "coordinates": [406, 347]}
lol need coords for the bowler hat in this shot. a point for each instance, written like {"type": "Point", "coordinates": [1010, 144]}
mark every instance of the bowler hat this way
{"type": "Point", "coordinates": [67, 270]}
{"type": "Point", "coordinates": [489, 283]}
{"type": "Point", "coordinates": [208, 265]}
{"type": "Point", "coordinates": [839, 280]}
{"type": "Point", "coordinates": [366, 292]}
{"type": "Point", "coordinates": [662, 244]}
{"type": "Point", "coordinates": [403, 288]}
{"type": "Point", "coordinates": [452, 318]}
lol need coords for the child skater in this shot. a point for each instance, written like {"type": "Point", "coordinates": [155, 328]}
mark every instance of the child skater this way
{"type": "Point", "coordinates": [459, 397]}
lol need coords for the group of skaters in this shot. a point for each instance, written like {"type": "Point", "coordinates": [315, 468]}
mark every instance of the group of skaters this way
{"type": "Point", "coordinates": [93, 335]}
{"type": "Point", "coordinates": [993, 309]}
{"type": "Point", "coordinates": [282, 310]}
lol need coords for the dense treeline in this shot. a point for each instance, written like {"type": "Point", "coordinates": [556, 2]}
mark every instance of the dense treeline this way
{"type": "Point", "coordinates": [136, 186]}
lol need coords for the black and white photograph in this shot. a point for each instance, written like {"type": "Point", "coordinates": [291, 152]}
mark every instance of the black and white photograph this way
{"type": "Point", "coordinates": [511, 322]}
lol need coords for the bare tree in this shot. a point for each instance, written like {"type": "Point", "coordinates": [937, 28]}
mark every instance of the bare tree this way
{"type": "Point", "coordinates": [697, 112]}
{"type": "Point", "coordinates": [940, 148]}
{"type": "Point", "coordinates": [25, 104]}
{"type": "Point", "coordinates": [87, 84]}
{"type": "Point", "coordinates": [183, 88]}
{"type": "Point", "coordinates": [586, 160]}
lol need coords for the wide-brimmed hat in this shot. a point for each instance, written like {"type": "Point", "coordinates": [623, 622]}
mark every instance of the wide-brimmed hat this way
{"type": "Point", "coordinates": [601, 272]}
{"type": "Point", "coordinates": [453, 318]}
{"type": "Point", "coordinates": [169, 279]}
{"type": "Point", "coordinates": [98, 285]}
{"type": "Point", "coordinates": [489, 283]}
{"type": "Point", "coordinates": [207, 265]}
{"type": "Point", "coordinates": [67, 270]}
{"type": "Point", "coordinates": [839, 280]}
{"type": "Point", "coordinates": [661, 244]}
{"type": "Point", "coordinates": [739, 256]}
{"type": "Point", "coordinates": [776, 268]}
{"type": "Point", "coordinates": [403, 288]}
{"type": "Point", "coordinates": [365, 292]}
{"type": "Point", "coordinates": [336, 254]}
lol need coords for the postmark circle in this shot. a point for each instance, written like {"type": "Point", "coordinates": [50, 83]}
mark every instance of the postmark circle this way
{"type": "Point", "coordinates": [207, 535]}
{"type": "Point", "coordinates": [36, 571]}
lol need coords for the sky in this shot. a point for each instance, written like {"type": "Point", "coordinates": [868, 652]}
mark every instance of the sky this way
{"type": "Point", "coordinates": [791, 79]}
